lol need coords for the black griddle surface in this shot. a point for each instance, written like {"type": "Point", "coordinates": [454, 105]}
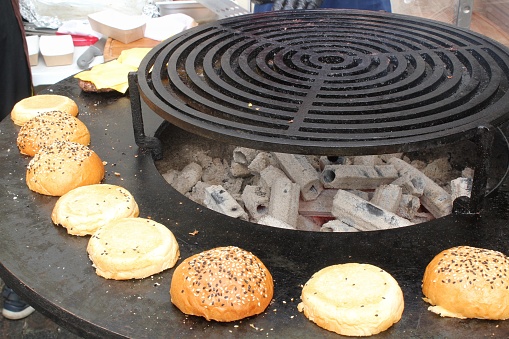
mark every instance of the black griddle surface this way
{"type": "Point", "coordinates": [51, 269]}
{"type": "Point", "coordinates": [329, 82]}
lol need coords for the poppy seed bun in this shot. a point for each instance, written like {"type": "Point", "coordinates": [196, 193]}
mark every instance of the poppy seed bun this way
{"type": "Point", "coordinates": [222, 284]}
{"type": "Point", "coordinates": [352, 299]}
{"type": "Point", "coordinates": [132, 248]}
{"type": "Point", "coordinates": [62, 166]}
{"type": "Point", "coordinates": [468, 282]}
{"type": "Point", "coordinates": [49, 127]}
{"type": "Point", "coordinates": [33, 106]}
{"type": "Point", "coordinates": [84, 209]}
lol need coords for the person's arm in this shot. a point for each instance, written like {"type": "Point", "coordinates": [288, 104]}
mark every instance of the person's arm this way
{"type": "Point", "coordinates": [291, 4]}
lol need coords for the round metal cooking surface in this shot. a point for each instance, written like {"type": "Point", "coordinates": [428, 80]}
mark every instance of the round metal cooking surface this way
{"type": "Point", "coordinates": [328, 81]}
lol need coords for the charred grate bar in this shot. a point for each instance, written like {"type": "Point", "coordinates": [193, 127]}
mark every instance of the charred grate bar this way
{"type": "Point", "coordinates": [329, 82]}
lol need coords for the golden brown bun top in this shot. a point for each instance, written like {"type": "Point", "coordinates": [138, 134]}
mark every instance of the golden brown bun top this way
{"type": "Point", "coordinates": [33, 106]}
{"type": "Point", "coordinates": [62, 166]}
{"type": "Point", "coordinates": [352, 299]}
{"type": "Point", "coordinates": [222, 284]}
{"type": "Point", "coordinates": [468, 282]}
{"type": "Point", "coordinates": [49, 127]}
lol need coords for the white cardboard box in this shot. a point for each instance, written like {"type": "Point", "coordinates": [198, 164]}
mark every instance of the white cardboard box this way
{"type": "Point", "coordinates": [57, 50]}
{"type": "Point", "coordinates": [118, 26]}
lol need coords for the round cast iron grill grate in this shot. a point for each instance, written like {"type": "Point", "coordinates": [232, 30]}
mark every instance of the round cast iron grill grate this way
{"type": "Point", "coordinates": [328, 82]}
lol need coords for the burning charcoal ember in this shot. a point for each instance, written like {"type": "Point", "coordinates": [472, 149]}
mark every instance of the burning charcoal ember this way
{"type": "Point", "coordinates": [261, 161]}
{"type": "Point", "coordinates": [238, 170]}
{"type": "Point", "coordinates": [301, 172]}
{"type": "Point", "coordinates": [408, 207]}
{"type": "Point", "coordinates": [269, 220]}
{"type": "Point", "coordinates": [410, 185]}
{"type": "Point", "coordinates": [188, 177]}
{"type": "Point", "coordinates": [435, 199]}
{"type": "Point", "coordinates": [363, 215]}
{"type": "Point", "coordinates": [244, 155]}
{"type": "Point", "coordinates": [219, 200]}
{"type": "Point", "coordinates": [358, 176]}
{"type": "Point", "coordinates": [271, 174]}
{"type": "Point", "coordinates": [216, 173]}
{"type": "Point", "coordinates": [337, 226]}
{"type": "Point", "coordinates": [387, 197]}
{"type": "Point", "coordinates": [461, 187]}
{"type": "Point", "coordinates": [307, 224]}
{"type": "Point", "coordinates": [256, 201]}
{"type": "Point", "coordinates": [284, 201]}
{"type": "Point", "coordinates": [321, 206]}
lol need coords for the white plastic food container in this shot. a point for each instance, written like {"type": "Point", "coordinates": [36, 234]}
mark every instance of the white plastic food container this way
{"type": "Point", "coordinates": [57, 50]}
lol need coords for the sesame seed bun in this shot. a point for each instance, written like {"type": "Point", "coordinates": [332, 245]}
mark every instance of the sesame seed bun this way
{"type": "Point", "coordinates": [84, 209]}
{"type": "Point", "coordinates": [62, 166]}
{"type": "Point", "coordinates": [49, 127]}
{"type": "Point", "coordinates": [33, 106]}
{"type": "Point", "coordinates": [222, 284]}
{"type": "Point", "coordinates": [132, 248]}
{"type": "Point", "coordinates": [468, 282]}
{"type": "Point", "coordinates": [352, 299]}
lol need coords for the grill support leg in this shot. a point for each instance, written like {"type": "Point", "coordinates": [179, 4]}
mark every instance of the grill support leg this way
{"type": "Point", "coordinates": [143, 141]}
{"type": "Point", "coordinates": [484, 142]}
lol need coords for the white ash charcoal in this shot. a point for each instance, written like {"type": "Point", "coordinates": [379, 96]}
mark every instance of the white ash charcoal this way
{"type": "Point", "coordinates": [434, 198]}
{"type": "Point", "coordinates": [422, 217]}
{"type": "Point", "coordinates": [188, 177]}
{"type": "Point", "coordinates": [233, 185]}
{"type": "Point", "coordinates": [419, 164]}
{"type": "Point", "coordinates": [363, 215]}
{"type": "Point", "coordinates": [467, 173]}
{"type": "Point", "coordinates": [320, 207]}
{"type": "Point", "coordinates": [202, 158]}
{"type": "Point", "coordinates": [385, 157]}
{"type": "Point", "coordinates": [284, 201]}
{"type": "Point", "coordinates": [325, 161]}
{"type": "Point", "coordinates": [261, 161]}
{"type": "Point", "coordinates": [408, 207]}
{"type": "Point", "coordinates": [170, 176]}
{"type": "Point", "coordinates": [271, 174]}
{"type": "Point", "coordinates": [337, 226]}
{"type": "Point", "coordinates": [438, 170]}
{"type": "Point", "coordinates": [301, 172]}
{"type": "Point", "coordinates": [216, 172]}
{"type": "Point", "coordinates": [358, 176]}
{"type": "Point", "coordinates": [361, 194]}
{"type": "Point", "coordinates": [387, 197]}
{"type": "Point", "coordinates": [256, 201]}
{"type": "Point", "coordinates": [219, 200]}
{"type": "Point", "coordinates": [307, 224]}
{"type": "Point", "coordinates": [410, 184]}
{"type": "Point", "coordinates": [197, 193]}
{"type": "Point", "coordinates": [244, 155]}
{"type": "Point", "coordinates": [461, 187]}
{"type": "Point", "coordinates": [314, 160]}
{"type": "Point", "coordinates": [269, 220]}
{"type": "Point", "coordinates": [239, 170]}
{"type": "Point", "coordinates": [368, 160]}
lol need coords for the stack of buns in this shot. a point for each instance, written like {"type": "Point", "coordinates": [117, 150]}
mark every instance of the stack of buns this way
{"type": "Point", "coordinates": [132, 248]}
{"type": "Point", "coordinates": [33, 106]}
{"type": "Point", "coordinates": [352, 299]}
{"type": "Point", "coordinates": [468, 282]}
{"type": "Point", "coordinates": [222, 284]}
{"type": "Point", "coordinates": [85, 209]}
{"type": "Point", "coordinates": [49, 127]}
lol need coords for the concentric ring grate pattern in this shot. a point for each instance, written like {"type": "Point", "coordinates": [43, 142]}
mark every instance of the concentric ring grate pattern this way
{"type": "Point", "coordinates": [329, 81]}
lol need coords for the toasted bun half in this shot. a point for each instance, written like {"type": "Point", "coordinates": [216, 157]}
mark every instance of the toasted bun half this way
{"type": "Point", "coordinates": [468, 282]}
{"type": "Point", "coordinates": [49, 127]}
{"type": "Point", "coordinates": [62, 166]}
{"type": "Point", "coordinates": [132, 248]}
{"type": "Point", "coordinates": [33, 106]}
{"type": "Point", "coordinates": [222, 284]}
{"type": "Point", "coordinates": [352, 299]}
{"type": "Point", "coordinates": [84, 209]}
